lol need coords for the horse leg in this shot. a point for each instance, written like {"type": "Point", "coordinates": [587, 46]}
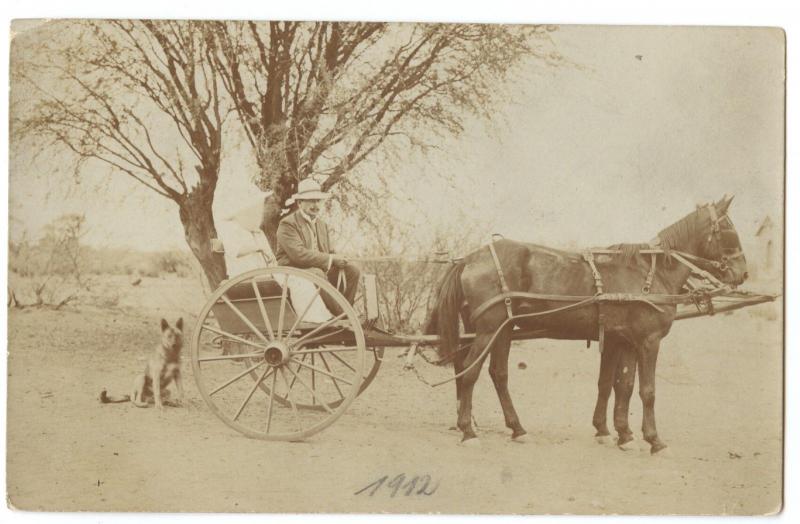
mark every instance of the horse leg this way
{"type": "Point", "coordinates": [647, 391]}
{"type": "Point", "coordinates": [605, 381]}
{"type": "Point", "coordinates": [458, 367]}
{"type": "Point", "coordinates": [498, 370]}
{"type": "Point", "coordinates": [458, 361]}
{"type": "Point", "coordinates": [467, 385]}
{"type": "Point", "coordinates": [624, 377]}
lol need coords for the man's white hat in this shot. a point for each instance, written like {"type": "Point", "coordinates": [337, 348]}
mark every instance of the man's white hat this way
{"type": "Point", "coordinates": [309, 189]}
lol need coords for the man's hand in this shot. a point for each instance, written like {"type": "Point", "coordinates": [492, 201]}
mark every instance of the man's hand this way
{"type": "Point", "coordinates": [339, 262]}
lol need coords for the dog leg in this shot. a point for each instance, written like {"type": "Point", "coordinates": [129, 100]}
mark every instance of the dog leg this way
{"type": "Point", "coordinates": [179, 387]}
{"type": "Point", "coordinates": [157, 394]}
{"type": "Point", "coordinates": [138, 391]}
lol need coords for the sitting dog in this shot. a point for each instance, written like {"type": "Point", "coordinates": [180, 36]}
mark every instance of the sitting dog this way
{"type": "Point", "coordinates": [162, 368]}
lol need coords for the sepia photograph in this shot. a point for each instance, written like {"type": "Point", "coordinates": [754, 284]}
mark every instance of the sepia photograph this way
{"type": "Point", "coordinates": [346, 267]}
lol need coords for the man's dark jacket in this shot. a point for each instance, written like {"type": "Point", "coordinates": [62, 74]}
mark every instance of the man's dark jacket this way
{"type": "Point", "coordinates": [295, 246]}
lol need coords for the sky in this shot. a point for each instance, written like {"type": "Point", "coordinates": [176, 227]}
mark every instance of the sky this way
{"type": "Point", "coordinates": [638, 126]}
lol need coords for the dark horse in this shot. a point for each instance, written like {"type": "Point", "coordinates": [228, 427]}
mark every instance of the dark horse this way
{"type": "Point", "coordinates": [633, 330]}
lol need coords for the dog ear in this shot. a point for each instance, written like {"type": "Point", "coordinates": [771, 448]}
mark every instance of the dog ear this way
{"type": "Point", "coordinates": [164, 325]}
{"type": "Point", "coordinates": [179, 324]}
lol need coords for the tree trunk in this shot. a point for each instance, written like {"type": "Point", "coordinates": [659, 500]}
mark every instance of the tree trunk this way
{"type": "Point", "coordinates": [198, 227]}
{"type": "Point", "coordinates": [273, 206]}
{"type": "Point", "coordinates": [270, 220]}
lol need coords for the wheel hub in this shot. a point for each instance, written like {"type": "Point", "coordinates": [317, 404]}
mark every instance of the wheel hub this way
{"type": "Point", "coordinates": [276, 354]}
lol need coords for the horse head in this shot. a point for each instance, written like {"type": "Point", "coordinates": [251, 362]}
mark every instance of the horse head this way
{"type": "Point", "coordinates": [719, 242]}
{"type": "Point", "coordinates": [709, 234]}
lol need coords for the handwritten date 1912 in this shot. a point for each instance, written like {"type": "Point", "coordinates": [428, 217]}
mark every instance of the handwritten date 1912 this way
{"type": "Point", "coordinates": [416, 485]}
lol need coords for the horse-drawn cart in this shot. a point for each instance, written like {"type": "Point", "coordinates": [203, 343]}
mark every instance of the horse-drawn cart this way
{"type": "Point", "coordinates": [269, 374]}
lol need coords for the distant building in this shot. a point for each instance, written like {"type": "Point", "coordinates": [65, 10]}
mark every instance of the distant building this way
{"type": "Point", "coordinates": [767, 261]}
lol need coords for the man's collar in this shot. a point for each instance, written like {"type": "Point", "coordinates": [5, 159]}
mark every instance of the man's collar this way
{"type": "Point", "coordinates": [307, 218]}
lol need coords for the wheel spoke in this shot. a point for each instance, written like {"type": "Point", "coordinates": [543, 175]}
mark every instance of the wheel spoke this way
{"type": "Point", "coordinates": [289, 396]}
{"type": "Point", "coordinates": [323, 372]}
{"type": "Point", "coordinates": [313, 380]}
{"type": "Point", "coordinates": [233, 337]}
{"type": "Point", "coordinates": [271, 401]}
{"type": "Point", "coordinates": [303, 314]}
{"type": "Point", "coordinates": [284, 299]}
{"type": "Point", "coordinates": [335, 384]}
{"type": "Point", "coordinates": [310, 390]}
{"type": "Point", "coordinates": [317, 329]}
{"type": "Point", "coordinates": [244, 319]}
{"type": "Point", "coordinates": [340, 359]}
{"type": "Point", "coordinates": [237, 377]}
{"type": "Point", "coordinates": [267, 371]}
{"type": "Point", "coordinates": [230, 357]}
{"type": "Point", "coordinates": [263, 310]}
{"type": "Point", "coordinates": [292, 384]}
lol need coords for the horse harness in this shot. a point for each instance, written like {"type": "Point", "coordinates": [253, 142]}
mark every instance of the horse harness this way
{"type": "Point", "coordinates": [700, 296]}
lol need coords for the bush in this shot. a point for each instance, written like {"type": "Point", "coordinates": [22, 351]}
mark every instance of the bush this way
{"type": "Point", "coordinates": [54, 269]}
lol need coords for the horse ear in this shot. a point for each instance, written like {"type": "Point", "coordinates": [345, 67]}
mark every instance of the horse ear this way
{"type": "Point", "coordinates": [179, 324]}
{"type": "Point", "coordinates": [723, 204]}
{"type": "Point", "coordinates": [164, 324]}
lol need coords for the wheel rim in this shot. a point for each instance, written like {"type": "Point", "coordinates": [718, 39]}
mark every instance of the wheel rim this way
{"type": "Point", "coordinates": [288, 368]}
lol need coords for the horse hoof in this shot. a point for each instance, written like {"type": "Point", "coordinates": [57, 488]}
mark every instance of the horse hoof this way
{"type": "Point", "coordinates": [660, 449]}
{"type": "Point", "coordinates": [603, 440]}
{"type": "Point", "coordinates": [627, 445]}
{"type": "Point", "coordinates": [521, 439]}
{"type": "Point", "coordinates": [473, 442]}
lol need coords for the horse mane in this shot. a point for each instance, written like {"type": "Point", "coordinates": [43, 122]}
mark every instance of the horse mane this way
{"type": "Point", "coordinates": [628, 253]}
{"type": "Point", "coordinates": [682, 232]}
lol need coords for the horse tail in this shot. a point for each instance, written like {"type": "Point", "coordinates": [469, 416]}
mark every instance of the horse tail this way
{"type": "Point", "coordinates": [445, 314]}
{"type": "Point", "coordinates": [105, 398]}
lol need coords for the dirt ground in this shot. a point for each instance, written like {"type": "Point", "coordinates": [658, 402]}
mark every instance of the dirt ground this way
{"type": "Point", "coordinates": [719, 408]}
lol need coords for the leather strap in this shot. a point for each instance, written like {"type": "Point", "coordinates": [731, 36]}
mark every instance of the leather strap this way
{"type": "Point", "coordinates": [649, 300]}
{"type": "Point", "coordinates": [598, 280]}
{"type": "Point", "coordinates": [648, 282]}
{"type": "Point", "coordinates": [503, 285]}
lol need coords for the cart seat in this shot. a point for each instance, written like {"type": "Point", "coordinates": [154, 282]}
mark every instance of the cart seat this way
{"type": "Point", "coordinates": [244, 299]}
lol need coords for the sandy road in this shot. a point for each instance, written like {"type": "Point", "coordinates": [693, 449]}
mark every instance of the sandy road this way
{"type": "Point", "coordinates": [718, 408]}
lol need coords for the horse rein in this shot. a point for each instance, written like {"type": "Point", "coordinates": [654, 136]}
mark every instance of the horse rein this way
{"type": "Point", "coordinates": [693, 262]}
{"type": "Point", "coordinates": [600, 297]}
{"type": "Point", "coordinates": [716, 233]}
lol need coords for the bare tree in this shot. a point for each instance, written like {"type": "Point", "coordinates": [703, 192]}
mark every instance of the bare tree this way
{"type": "Point", "coordinates": [141, 97]}
{"type": "Point", "coordinates": [149, 99]}
{"type": "Point", "coordinates": [319, 98]}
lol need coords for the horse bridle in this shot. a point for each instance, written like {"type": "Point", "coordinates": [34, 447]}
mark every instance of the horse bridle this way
{"type": "Point", "coordinates": [726, 253]}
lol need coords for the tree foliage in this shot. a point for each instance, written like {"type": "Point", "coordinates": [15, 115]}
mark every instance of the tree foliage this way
{"type": "Point", "coordinates": [320, 98]}
{"type": "Point", "coordinates": [149, 99]}
{"type": "Point", "coordinates": [142, 98]}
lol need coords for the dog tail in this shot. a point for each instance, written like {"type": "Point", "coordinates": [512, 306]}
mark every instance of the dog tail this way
{"type": "Point", "coordinates": [106, 399]}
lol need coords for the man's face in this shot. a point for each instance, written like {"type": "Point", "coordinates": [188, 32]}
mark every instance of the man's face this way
{"type": "Point", "coordinates": [309, 207]}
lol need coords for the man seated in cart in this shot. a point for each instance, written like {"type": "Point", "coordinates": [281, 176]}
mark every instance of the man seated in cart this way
{"type": "Point", "coordinates": [304, 243]}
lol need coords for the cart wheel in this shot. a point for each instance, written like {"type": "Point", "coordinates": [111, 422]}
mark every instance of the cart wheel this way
{"type": "Point", "coordinates": [345, 359]}
{"type": "Point", "coordinates": [334, 397]}
{"type": "Point", "coordinates": [253, 311]}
